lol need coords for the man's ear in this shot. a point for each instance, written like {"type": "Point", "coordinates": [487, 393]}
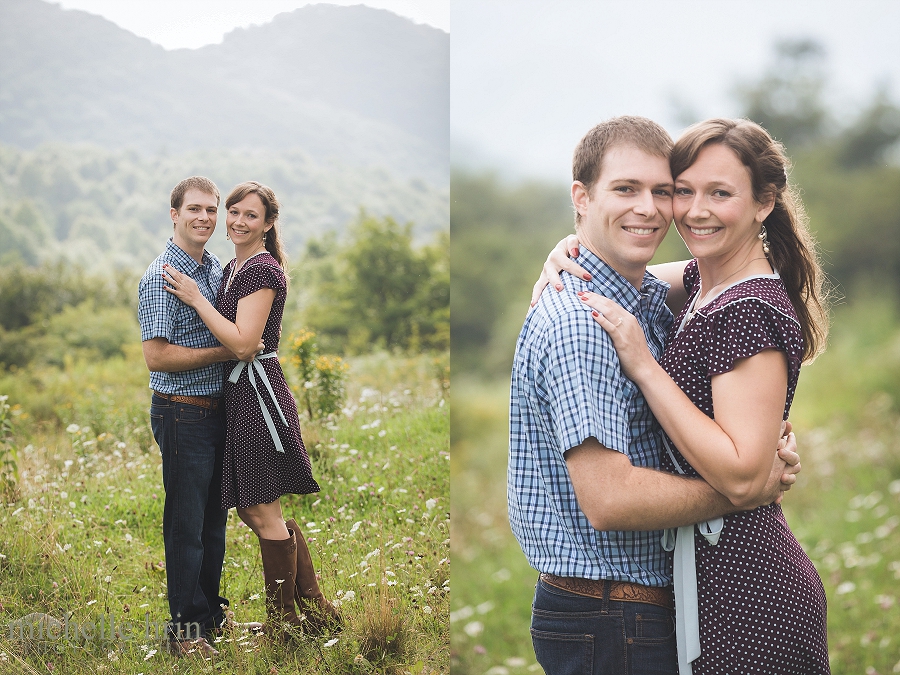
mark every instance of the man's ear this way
{"type": "Point", "coordinates": [173, 214]}
{"type": "Point", "coordinates": [581, 197]}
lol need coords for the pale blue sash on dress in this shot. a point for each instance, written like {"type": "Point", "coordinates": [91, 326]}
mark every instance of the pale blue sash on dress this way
{"type": "Point", "coordinates": [687, 615]}
{"type": "Point", "coordinates": [256, 365]}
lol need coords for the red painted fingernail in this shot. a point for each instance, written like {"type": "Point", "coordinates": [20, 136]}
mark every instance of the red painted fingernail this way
{"type": "Point", "coordinates": [594, 314]}
{"type": "Point", "coordinates": [586, 276]}
{"type": "Point", "coordinates": [559, 287]}
{"type": "Point", "coordinates": [575, 252]}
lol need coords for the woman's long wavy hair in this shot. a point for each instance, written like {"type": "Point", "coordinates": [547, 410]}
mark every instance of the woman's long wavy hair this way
{"type": "Point", "coordinates": [792, 250]}
{"type": "Point", "coordinates": [273, 241]}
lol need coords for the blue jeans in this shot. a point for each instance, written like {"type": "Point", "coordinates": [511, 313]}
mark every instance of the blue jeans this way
{"type": "Point", "coordinates": [192, 441]}
{"type": "Point", "coordinates": [577, 635]}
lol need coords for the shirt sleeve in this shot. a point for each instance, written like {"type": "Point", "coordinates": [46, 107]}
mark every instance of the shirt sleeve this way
{"type": "Point", "coordinates": [587, 393]}
{"type": "Point", "coordinates": [156, 307]}
{"type": "Point", "coordinates": [258, 276]}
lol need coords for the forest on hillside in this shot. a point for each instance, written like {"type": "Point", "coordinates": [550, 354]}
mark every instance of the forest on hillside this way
{"type": "Point", "coordinates": [86, 204]}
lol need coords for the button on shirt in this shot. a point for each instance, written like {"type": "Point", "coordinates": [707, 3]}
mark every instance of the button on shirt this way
{"type": "Point", "coordinates": [161, 314]}
{"type": "Point", "coordinates": [567, 385]}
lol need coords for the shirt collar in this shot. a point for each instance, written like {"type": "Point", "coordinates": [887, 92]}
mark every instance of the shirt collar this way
{"type": "Point", "coordinates": [616, 287]}
{"type": "Point", "coordinates": [184, 262]}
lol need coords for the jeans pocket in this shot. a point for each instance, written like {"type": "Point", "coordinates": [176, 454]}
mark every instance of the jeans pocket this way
{"type": "Point", "coordinates": [651, 626]}
{"type": "Point", "coordinates": [563, 653]}
{"type": "Point", "coordinates": [653, 649]}
{"type": "Point", "coordinates": [191, 413]}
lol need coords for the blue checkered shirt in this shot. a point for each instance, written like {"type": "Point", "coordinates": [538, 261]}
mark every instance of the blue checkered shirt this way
{"type": "Point", "coordinates": [161, 314]}
{"type": "Point", "coordinates": [567, 386]}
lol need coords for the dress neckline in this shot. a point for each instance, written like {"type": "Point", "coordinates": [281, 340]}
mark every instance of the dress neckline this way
{"type": "Point", "coordinates": [236, 269]}
{"type": "Point", "coordinates": [693, 310]}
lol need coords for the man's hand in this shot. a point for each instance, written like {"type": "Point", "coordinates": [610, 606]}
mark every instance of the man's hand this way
{"type": "Point", "coordinates": [259, 350]}
{"type": "Point", "coordinates": [557, 260]}
{"type": "Point", "coordinates": [784, 469]}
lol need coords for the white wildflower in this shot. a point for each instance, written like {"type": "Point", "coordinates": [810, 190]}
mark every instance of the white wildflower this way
{"type": "Point", "coordinates": [474, 628]}
{"type": "Point", "coordinates": [846, 587]}
{"type": "Point", "coordinates": [461, 614]}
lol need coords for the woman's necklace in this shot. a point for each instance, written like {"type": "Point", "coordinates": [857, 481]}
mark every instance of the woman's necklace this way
{"type": "Point", "coordinates": [700, 299]}
{"type": "Point", "coordinates": [237, 268]}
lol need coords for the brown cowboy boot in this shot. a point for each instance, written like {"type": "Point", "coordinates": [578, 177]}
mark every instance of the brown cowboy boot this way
{"type": "Point", "coordinates": [279, 560]}
{"type": "Point", "coordinates": [321, 615]}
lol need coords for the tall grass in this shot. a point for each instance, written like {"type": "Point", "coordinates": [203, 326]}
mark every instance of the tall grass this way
{"type": "Point", "coordinates": [83, 543]}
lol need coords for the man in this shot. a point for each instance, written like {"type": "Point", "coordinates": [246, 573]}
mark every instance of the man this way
{"type": "Point", "coordinates": [187, 415]}
{"type": "Point", "coordinates": [586, 499]}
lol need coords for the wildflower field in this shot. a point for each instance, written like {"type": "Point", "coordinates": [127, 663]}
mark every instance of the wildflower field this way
{"type": "Point", "coordinates": [81, 526]}
{"type": "Point", "coordinates": [844, 509]}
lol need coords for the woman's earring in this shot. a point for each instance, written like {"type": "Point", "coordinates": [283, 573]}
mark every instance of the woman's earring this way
{"type": "Point", "coordinates": [227, 236]}
{"type": "Point", "coordinates": [764, 237]}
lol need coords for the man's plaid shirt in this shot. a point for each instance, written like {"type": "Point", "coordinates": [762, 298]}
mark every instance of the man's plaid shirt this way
{"type": "Point", "coordinates": [161, 314]}
{"type": "Point", "coordinates": [567, 386]}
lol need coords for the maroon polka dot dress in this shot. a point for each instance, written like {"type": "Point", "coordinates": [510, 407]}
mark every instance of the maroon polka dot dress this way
{"type": "Point", "coordinates": [761, 601]}
{"type": "Point", "coordinates": [254, 471]}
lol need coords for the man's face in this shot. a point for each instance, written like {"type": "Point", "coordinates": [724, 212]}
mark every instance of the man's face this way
{"type": "Point", "coordinates": [195, 221]}
{"type": "Point", "coordinates": [628, 211]}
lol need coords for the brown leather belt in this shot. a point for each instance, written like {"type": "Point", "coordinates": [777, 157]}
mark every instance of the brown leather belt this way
{"type": "Point", "coordinates": [209, 402]}
{"type": "Point", "coordinates": [613, 590]}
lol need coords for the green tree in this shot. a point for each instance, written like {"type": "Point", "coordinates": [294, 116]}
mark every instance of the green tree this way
{"type": "Point", "coordinates": [867, 142]}
{"type": "Point", "coordinates": [378, 290]}
{"type": "Point", "coordinates": [787, 100]}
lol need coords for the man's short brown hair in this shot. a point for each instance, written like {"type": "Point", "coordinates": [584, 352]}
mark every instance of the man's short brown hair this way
{"type": "Point", "coordinates": [642, 133]}
{"type": "Point", "coordinates": [201, 183]}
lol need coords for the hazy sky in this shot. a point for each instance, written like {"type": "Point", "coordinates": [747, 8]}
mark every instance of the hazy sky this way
{"type": "Point", "coordinates": [529, 77]}
{"type": "Point", "coordinates": [193, 23]}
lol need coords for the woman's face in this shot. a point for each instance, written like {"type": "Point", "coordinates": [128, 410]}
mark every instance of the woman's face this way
{"type": "Point", "coordinates": [715, 212]}
{"type": "Point", "coordinates": [246, 221]}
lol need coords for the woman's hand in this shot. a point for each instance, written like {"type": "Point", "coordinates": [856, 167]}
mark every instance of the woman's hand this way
{"type": "Point", "coordinates": [559, 259]}
{"type": "Point", "coordinates": [626, 333]}
{"type": "Point", "coordinates": [182, 286]}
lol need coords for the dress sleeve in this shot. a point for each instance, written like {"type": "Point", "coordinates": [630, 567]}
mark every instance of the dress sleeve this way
{"type": "Point", "coordinates": [691, 276]}
{"type": "Point", "coordinates": [745, 327]}
{"type": "Point", "coordinates": [260, 275]}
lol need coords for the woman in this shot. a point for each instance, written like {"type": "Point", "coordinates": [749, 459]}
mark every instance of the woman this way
{"type": "Point", "coordinates": [264, 454]}
{"type": "Point", "coordinates": [754, 313]}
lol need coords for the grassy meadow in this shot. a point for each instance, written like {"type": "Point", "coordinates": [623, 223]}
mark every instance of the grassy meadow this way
{"type": "Point", "coordinates": [845, 508]}
{"type": "Point", "coordinates": [81, 536]}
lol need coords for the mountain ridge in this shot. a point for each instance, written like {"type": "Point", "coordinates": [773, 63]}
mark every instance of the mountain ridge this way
{"type": "Point", "coordinates": [355, 83]}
